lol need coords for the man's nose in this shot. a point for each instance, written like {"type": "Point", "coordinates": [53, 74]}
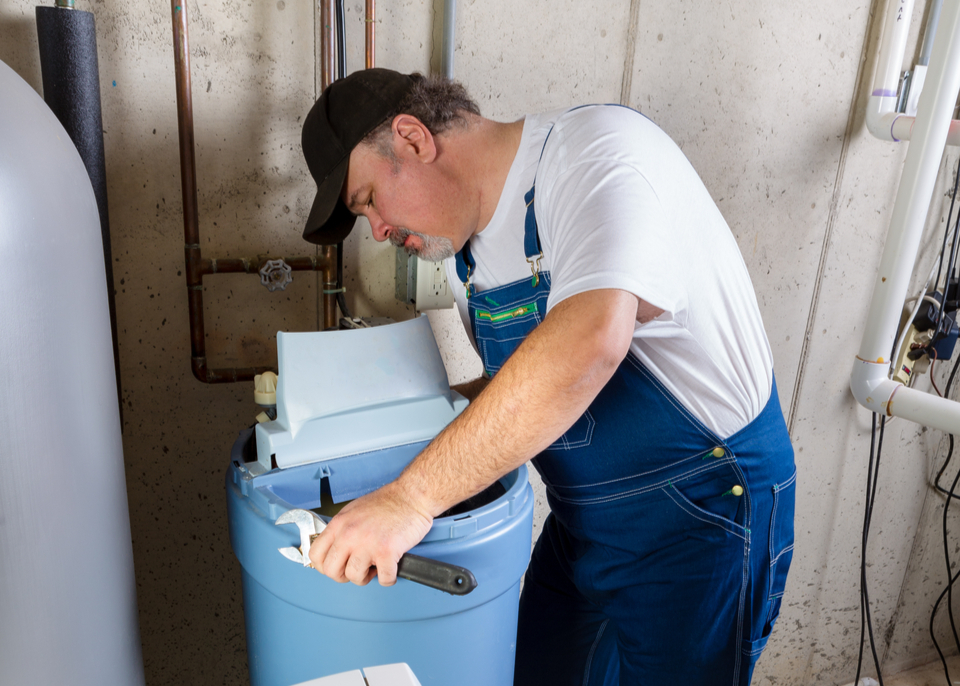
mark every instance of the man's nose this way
{"type": "Point", "coordinates": [381, 229]}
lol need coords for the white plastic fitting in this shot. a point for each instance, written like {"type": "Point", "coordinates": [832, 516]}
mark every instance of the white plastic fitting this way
{"type": "Point", "coordinates": [265, 389]}
{"type": "Point", "coordinates": [882, 119]}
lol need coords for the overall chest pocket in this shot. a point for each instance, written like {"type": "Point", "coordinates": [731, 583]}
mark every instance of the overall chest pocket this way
{"type": "Point", "coordinates": [499, 331]}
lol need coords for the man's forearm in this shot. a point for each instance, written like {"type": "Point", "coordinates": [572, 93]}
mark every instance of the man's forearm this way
{"type": "Point", "coordinates": [539, 393]}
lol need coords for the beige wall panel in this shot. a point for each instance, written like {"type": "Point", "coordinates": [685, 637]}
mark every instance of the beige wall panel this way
{"type": "Point", "coordinates": [522, 57]}
{"type": "Point", "coordinates": [831, 433]}
{"type": "Point", "coordinates": [757, 97]}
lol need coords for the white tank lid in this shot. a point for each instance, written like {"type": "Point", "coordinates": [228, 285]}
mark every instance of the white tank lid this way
{"type": "Point", "coordinates": [345, 392]}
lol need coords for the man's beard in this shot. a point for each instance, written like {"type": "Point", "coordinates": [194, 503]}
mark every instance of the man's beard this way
{"type": "Point", "coordinates": [434, 248]}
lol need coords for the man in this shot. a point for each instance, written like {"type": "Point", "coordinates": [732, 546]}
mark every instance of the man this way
{"type": "Point", "coordinates": [624, 353]}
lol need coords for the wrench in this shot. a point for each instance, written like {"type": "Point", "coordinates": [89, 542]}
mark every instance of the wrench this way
{"type": "Point", "coordinates": [433, 573]}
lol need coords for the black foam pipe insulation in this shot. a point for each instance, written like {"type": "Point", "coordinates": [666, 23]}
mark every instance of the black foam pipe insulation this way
{"type": "Point", "coordinates": [71, 88]}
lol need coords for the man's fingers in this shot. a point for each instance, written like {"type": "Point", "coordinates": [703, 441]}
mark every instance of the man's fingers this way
{"type": "Point", "coordinates": [387, 573]}
{"type": "Point", "coordinates": [358, 570]}
{"type": "Point", "coordinates": [326, 558]}
{"type": "Point", "coordinates": [335, 563]}
{"type": "Point", "coordinates": [319, 548]}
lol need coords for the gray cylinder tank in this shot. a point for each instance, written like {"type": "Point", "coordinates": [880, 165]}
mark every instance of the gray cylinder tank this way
{"type": "Point", "coordinates": [68, 612]}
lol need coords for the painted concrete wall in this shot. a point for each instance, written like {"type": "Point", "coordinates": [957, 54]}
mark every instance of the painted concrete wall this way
{"type": "Point", "coordinates": [766, 99]}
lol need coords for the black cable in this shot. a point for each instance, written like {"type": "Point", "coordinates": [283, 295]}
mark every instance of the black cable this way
{"type": "Point", "coordinates": [946, 394]}
{"type": "Point", "coordinates": [933, 636]}
{"type": "Point", "coordinates": [951, 578]}
{"type": "Point", "coordinates": [873, 500]}
{"type": "Point", "coordinates": [863, 546]}
{"type": "Point", "coordinates": [341, 30]}
{"type": "Point", "coordinates": [341, 298]}
{"type": "Point", "coordinates": [873, 471]}
{"type": "Point", "coordinates": [943, 250]}
{"type": "Point", "coordinates": [936, 481]}
{"type": "Point", "coordinates": [952, 261]}
{"type": "Point", "coordinates": [946, 557]}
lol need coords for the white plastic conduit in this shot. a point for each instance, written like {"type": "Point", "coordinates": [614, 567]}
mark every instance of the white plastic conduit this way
{"type": "Point", "coordinates": [869, 381]}
{"type": "Point", "coordinates": [883, 121]}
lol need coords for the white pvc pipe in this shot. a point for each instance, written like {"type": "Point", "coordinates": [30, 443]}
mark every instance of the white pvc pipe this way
{"type": "Point", "coordinates": [882, 119]}
{"type": "Point", "coordinates": [881, 110]}
{"type": "Point", "coordinates": [868, 380]}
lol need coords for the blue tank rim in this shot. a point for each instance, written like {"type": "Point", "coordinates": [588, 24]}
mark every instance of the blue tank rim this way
{"type": "Point", "coordinates": [262, 489]}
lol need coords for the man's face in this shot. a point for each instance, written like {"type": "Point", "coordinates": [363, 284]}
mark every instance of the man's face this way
{"type": "Point", "coordinates": [403, 201]}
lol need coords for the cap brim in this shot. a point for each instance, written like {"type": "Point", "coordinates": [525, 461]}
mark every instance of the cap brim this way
{"type": "Point", "coordinates": [330, 222]}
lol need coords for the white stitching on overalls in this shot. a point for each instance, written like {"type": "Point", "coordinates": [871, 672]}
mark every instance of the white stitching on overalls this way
{"type": "Point", "coordinates": [698, 454]}
{"type": "Point", "coordinates": [593, 649]}
{"type": "Point", "coordinates": [643, 489]}
{"type": "Point", "coordinates": [682, 503]}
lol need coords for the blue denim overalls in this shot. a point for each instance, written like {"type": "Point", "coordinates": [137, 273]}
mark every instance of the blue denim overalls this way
{"type": "Point", "coordinates": [665, 555]}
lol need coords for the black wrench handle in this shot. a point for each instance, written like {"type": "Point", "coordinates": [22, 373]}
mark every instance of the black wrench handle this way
{"type": "Point", "coordinates": [435, 574]}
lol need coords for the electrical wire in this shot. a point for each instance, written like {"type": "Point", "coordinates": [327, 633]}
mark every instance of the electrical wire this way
{"type": "Point", "coordinates": [873, 472]}
{"type": "Point", "coordinates": [951, 262]}
{"type": "Point", "coordinates": [341, 31]}
{"type": "Point", "coordinates": [341, 298]}
{"type": "Point", "coordinates": [933, 381]}
{"type": "Point", "coordinates": [951, 578]}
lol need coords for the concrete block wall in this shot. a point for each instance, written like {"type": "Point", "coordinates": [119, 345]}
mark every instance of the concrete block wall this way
{"type": "Point", "coordinates": [766, 100]}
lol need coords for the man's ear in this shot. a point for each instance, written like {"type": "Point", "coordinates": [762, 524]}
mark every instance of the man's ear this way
{"type": "Point", "coordinates": [412, 138]}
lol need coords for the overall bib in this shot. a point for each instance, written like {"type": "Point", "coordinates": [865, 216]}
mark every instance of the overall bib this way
{"type": "Point", "coordinates": [664, 557]}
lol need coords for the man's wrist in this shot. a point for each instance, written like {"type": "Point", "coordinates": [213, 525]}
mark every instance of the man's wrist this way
{"type": "Point", "coordinates": [410, 489]}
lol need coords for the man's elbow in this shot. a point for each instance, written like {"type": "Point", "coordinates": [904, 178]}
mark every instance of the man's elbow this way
{"type": "Point", "coordinates": [605, 347]}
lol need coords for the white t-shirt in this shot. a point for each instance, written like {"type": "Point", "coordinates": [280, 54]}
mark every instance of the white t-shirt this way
{"type": "Point", "coordinates": [619, 206]}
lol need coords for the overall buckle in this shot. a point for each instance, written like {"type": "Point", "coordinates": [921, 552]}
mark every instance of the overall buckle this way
{"type": "Point", "coordinates": [535, 268]}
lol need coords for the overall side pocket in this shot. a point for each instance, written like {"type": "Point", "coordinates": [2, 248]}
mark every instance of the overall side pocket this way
{"type": "Point", "coordinates": [706, 496]}
{"type": "Point", "coordinates": [781, 544]}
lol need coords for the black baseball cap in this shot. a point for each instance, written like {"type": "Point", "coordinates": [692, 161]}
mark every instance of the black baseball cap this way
{"type": "Point", "coordinates": [346, 112]}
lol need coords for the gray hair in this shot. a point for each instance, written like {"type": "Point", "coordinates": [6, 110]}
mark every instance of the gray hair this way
{"type": "Point", "coordinates": [436, 101]}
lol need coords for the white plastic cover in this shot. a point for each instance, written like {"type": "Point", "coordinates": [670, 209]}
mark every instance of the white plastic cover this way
{"type": "Point", "coordinates": [347, 392]}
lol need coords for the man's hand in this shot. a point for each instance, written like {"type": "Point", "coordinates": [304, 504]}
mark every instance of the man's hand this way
{"type": "Point", "coordinates": [369, 535]}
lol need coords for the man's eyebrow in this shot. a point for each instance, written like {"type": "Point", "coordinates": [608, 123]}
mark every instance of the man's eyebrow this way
{"type": "Point", "coordinates": [353, 199]}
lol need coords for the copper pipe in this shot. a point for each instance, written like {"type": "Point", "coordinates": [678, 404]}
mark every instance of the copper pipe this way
{"type": "Point", "coordinates": [327, 52]}
{"type": "Point", "coordinates": [252, 265]}
{"type": "Point", "coordinates": [328, 253]}
{"type": "Point", "coordinates": [370, 37]}
{"type": "Point", "coordinates": [196, 266]}
{"type": "Point", "coordinates": [188, 188]}
{"type": "Point", "coordinates": [328, 278]}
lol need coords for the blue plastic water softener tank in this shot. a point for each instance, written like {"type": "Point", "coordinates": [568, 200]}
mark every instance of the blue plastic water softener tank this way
{"type": "Point", "coordinates": [301, 625]}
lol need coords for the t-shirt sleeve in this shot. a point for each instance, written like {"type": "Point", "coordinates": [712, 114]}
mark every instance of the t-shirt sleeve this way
{"type": "Point", "coordinates": [602, 226]}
